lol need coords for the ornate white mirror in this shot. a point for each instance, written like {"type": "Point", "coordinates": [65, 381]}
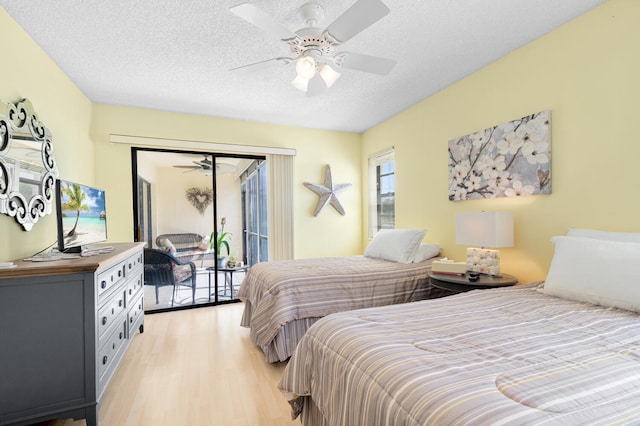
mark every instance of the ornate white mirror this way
{"type": "Point", "coordinates": [28, 170]}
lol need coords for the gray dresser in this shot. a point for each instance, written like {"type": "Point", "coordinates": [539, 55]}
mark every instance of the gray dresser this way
{"type": "Point", "coordinates": [64, 327]}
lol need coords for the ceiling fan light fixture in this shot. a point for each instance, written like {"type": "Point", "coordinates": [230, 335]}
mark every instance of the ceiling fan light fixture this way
{"type": "Point", "coordinates": [300, 83]}
{"type": "Point", "coordinates": [329, 75]}
{"type": "Point", "coordinates": [306, 67]}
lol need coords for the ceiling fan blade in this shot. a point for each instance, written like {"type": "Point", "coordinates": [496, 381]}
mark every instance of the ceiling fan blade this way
{"type": "Point", "coordinates": [186, 167]}
{"type": "Point", "coordinates": [257, 17]}
{"type": "Point", "coordinates": [367, 63]}
{"type": "Point", "coordinates": [225, 168]}
{"type": "Point", "coordinates": [358, 17]}
{"type": "Point", "coordinates": [263, 64]}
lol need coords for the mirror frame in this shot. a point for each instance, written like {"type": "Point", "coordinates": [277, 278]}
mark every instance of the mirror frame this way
{"type": "Point", "coordinates": [21, 119]}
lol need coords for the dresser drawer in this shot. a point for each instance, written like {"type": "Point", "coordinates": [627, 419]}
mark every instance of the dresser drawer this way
{"type": "Point", "coordinates": [109, 313]}
{"type": "Point", "coordinates": [135, 315]}
{"type": "Point", "coordinates": [132, 263]}
{"type": "Point", "coordinates": [134, 286]}
{"type": "Point", "coordinates": [108, 353]}
{"type": "Point", "coordinates": [110, 279]}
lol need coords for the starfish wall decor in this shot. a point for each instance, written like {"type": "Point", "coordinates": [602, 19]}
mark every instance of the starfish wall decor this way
{"type": "Point", "coordinates": [328, 193]}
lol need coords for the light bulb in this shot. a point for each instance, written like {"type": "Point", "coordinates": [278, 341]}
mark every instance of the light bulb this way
{"type": "Point", "coordinates": [306, 67]}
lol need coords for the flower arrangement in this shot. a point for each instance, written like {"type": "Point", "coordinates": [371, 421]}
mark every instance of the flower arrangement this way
{"type": "Point", "coordinates": [222, 240]}
{"type": "Point", "coordinates": [508, 160]}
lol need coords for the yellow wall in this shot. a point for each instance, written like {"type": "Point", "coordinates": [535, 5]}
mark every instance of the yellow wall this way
{"type": "Point", "coordinates": [587, 73]}
{"type": "Point", "coordinates": [27, 72]}
{"type": "Point", "coordinates": [328, 234]}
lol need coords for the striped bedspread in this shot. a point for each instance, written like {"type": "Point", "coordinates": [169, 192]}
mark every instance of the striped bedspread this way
{"type": "Point", "coordinates": [282, 299]}
{"type": "Point", "coordinates": [508, 356]}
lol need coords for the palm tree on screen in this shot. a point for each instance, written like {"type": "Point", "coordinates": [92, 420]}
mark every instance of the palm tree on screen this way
{"type": "Point", "coordinates": [76, 202]}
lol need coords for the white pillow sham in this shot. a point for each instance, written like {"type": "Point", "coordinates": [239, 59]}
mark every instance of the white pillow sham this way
{"type": "Point", "coordinates": [629, 237]}
{"type": "Point", "coordinates": [396, 245]}
{"type": "Point", "coordinates": [426, 251]}
{"type": "Point", "coordinates": [597, 271]}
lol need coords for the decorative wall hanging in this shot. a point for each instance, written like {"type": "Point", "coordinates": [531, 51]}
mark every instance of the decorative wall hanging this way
{"type": "Point", "coordinates": [28, 170]}
{"type": "Point", "coordinates": [508, 160]}
{"type": "Point", "coordinates": [328, 193]}
{"type": "Point", "coordinates": [200, 198]}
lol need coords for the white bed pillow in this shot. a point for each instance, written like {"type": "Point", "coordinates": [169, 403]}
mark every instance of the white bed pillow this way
{"type": "Point", "coordinates": [629, 237]}
{"type": "Point", "coordinates": [426, 251]}
{"type": "Point", "coordinates": [396, 245]}
{"type": "Point", "coordinates": [597, 271]}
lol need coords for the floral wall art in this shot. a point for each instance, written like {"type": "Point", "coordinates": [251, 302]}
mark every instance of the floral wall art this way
{"type": "Point", "coordinates": [509, 160]}
{"type": "Point", "coordinates": [200, 198]}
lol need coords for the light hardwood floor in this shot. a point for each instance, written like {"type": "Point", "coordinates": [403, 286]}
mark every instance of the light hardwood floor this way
{"type": "Point", "coordinates": [194, 367]}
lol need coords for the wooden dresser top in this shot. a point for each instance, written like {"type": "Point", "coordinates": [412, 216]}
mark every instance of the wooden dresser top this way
{"type": "Point", "coordinates": [27, 268]}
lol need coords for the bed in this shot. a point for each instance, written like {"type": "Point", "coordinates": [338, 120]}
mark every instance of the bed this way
{"type": "Point", "coordinates": [541, 353]}
{"type": "Point", "coordinates": [283, 299]}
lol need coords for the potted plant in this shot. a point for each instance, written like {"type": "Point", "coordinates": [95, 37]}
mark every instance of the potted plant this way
{"type": "Point", "coordinates": [220, 242]}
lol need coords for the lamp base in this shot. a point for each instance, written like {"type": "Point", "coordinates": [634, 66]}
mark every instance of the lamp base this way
{"type": "Point", "coordinates": [483, 261]}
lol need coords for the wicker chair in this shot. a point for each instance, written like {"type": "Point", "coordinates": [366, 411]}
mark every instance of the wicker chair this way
{"type": "Point", "coordinates": [162, 269]}
{"type": "Point", "coordinates": [187, 246]}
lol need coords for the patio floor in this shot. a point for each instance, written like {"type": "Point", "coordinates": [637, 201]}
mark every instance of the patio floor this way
{"type": "Point", "coordinates": [183, 294]}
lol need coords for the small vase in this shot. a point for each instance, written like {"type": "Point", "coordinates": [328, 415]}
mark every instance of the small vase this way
{"type": "Point", "coordinates": [222, 262]}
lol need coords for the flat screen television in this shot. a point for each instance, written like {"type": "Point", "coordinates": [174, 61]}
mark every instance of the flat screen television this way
{"type": "Point", "coordinates": [81, 215]}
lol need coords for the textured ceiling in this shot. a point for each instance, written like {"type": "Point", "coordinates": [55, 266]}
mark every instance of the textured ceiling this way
{"type": "Point", "coordinates": [176, 55]}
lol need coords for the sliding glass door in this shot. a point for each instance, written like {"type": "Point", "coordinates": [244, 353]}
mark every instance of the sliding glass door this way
{"type": "Point", "coordinates": [194, 210]}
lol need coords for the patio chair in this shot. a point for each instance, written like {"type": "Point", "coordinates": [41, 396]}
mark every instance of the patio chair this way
{"type": "Point", "coordinates": [162, 269]}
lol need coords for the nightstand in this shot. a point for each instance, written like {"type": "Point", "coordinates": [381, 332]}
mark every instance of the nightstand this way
{"type": "Point", "coordinates": [461, 283]}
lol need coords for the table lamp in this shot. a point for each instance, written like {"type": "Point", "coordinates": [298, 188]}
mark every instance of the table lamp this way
{"type": "Point", "coordinates": [484, 229]}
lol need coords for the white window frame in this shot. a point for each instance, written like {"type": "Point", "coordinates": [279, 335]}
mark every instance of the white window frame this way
{"type": "Point", "coordinates": [376, 160]}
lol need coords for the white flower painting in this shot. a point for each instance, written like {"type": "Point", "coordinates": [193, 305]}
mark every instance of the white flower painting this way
{"type": "Point", "coordinates": [509, 160]}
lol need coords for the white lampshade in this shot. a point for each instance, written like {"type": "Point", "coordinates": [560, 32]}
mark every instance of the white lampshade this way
{"type": "Point", "coordinates": [485, 229]}
{"type": "Point", "coordinates": [306, 67]}
{"type": "Point", "coordinates": [329, 75]}
{"type": "Point", "coordinates": [300, 83]}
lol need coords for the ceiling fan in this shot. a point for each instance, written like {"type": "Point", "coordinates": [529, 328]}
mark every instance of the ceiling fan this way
{"type": "Point", "coordinates": [205, 166]}
{"type": "Point", "coordinates": [317, 63]}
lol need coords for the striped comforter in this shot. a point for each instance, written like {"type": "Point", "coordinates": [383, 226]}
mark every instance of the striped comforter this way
{"type": "Point", "coordinates": [283, 299]}
{"type": "Point", "coordinates": [502, 357]}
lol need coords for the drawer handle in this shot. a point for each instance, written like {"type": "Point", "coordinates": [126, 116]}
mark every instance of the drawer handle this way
{"type": "Point", "coordinates": [130, 291]}
{"type": "Point", "coordinates": [113, 311]}
{"type": "Point", "coordinates": [103, 285]}
{"type": "Point", "coordinates": [121, 335]}
{"type": "Point", "coordinates": [119, 273]}
{"type": "Point", "coordinates": [104, 360]}
{"type": "Point", "coordinates": [130, 265]}
{"type": "Point", "coordinates": [120, 303]}
{"type": "Point", "coordinates": [131, 320]}
{"type": "Point", "coordinates": [104, 320]}
{"type": "Point", "coordinates": [113, 346]}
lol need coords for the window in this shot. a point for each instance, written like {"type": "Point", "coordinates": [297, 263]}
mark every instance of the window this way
{"type": "Point", "coordinates": [254, 204]}
{"type": "Point", "coordinates": [382, 195]}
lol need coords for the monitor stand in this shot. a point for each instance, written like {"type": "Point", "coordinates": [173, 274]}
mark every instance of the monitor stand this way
{"type": "Point", "coordinates": [89, 249]}
{"type": "Point", "coordinates": [72, 250]}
